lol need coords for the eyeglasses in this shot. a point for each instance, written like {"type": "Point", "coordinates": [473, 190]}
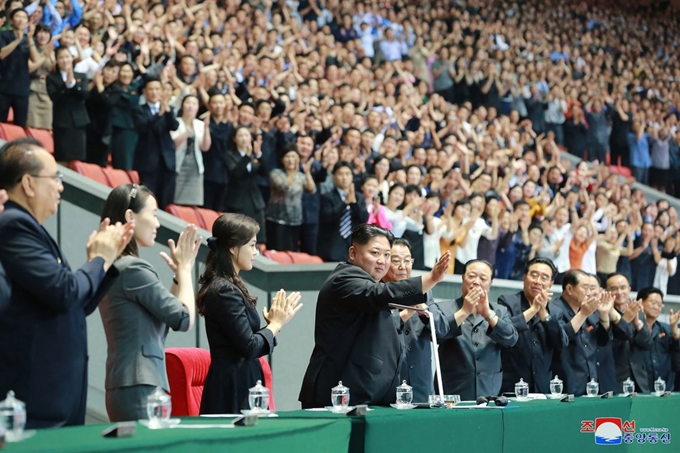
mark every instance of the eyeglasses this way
{"type": "Point", "coordinates": [407, 262]}
{"type": "Point", "coordinates": [59, 177]}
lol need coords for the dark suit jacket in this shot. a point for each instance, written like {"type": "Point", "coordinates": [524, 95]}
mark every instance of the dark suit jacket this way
{"type": "Point", "coordinates": [43, 338]}
{"type": "Point", "coordinates": [579, 362]}
{"type": "Point", "coordinates": [661, 360]}
{"type": "Point", "coordinates": [100, 109]}
{"type": "Point", "coordinates": [155, 147]}
{"type": "Point", "coordinates": [331, 246]}
{"type": "Point", "coordinates": [244, 195]}
{"type": "Point", "coordinates": [470, 354]}
{"type": "Point", "coordinates": [531, 358]}
{"type": "Point", "coordinates": [5, 290]}
{"type": "Point", "coordinates": [215, 159]}
{"type": "Point", "coordinates": [68, 104]}
{"type": "Point", "coordinates": [356, 341]}
{"type": "Point", "coordinates": [627, 337]}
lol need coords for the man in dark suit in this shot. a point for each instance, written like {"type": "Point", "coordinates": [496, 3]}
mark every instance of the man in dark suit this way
{"type": "Point", "coordinates": [5, 285]}
{"type": "Point", "coordinates": [311, 201]}
{"type": "Point", "coordinates": [470, 353]}
{"type": "Point", "coordinates": [216, 177]}
{"type": "Point", "coordinates": [584, 316]}
{"type": "Point", "coordinates": [155, 151]}
{"type": "Point", "coordinates": [629, 331]}
{"type": "Point", "coordinates": [538, 328]}
{"type": "Point", "coordinates": [356, 341]}
{"type": "Point", "coordinates": [662, 360]}
{"type": "Point", "coordinates": [43, 339]}
{"type": "Point", "coordinates": [341, 211]}
{"type": "Point", "coordinates": [416, 367]}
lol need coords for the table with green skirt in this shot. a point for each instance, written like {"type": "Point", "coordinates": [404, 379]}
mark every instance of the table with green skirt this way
{"type": "Point", "coordinates": [646, 424]}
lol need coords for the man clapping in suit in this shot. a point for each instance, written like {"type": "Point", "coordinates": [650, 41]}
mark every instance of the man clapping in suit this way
{"type": "Point", "coordinates": [43, 337]}
{"type": "Point", "coordinates": [155, 152]}
{"type": "Point", "coordinates": [341, 211]}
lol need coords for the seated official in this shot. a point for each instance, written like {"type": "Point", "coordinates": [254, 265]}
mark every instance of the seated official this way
{"type": "Point", "coordinates": [470, 353]}
{"type": "Point", "coordinates": [539, 330]}
{"type": "Point", "coordinates": [416, 367]}
{"type": "Point", "coordinates": [584, 315]}
{"type": "Point", "coordinates": [355, 338]}
{"type": "Point", "coordinates": [43, 337]}
{"type": "Point", "coordinates": [662, 360]}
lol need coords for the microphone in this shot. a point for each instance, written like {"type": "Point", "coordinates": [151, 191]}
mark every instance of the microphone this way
{"type": "Point", "coordinates": [499, 401]}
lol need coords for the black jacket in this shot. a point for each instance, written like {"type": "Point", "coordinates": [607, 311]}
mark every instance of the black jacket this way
{"type": "Point", "coordinates": [332, 246]}
{"type": "Point", "coordinates": [68, 104]}
{"type": "Point", "coordinates": [155, 147]}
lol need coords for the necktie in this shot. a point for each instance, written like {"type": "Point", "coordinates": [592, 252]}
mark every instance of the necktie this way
{"type": "Point", "coordinates": [153, 109]}
{"type": "Point", "coordinates": [346, 223]}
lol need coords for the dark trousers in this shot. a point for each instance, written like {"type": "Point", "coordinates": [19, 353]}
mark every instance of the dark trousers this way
{"type": "Point", "coordinates": [98, 153]}
{"type": "Point", "coordinates": [214, 195]}
{"type": "Point", "coordinates": [161, 183]}
{"type": "Point", "coordinates": [20, 106]}
{"type": "Point", "coordinates": [309, 235]}
{"type": "Point", "coordinates": [640, 174]}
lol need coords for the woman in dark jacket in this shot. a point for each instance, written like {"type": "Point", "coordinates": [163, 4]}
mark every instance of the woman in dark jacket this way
{"type": "Point", "coordinates": [124, 135]}
{"type": "Point", "coordinates": [68, 91]}
{"type": "Point", "coordinates": [232, 323]}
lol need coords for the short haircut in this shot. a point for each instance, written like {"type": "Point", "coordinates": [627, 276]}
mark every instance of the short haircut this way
{"type": "Point", "coordinates": [644, 293]}
{"type": "Point", "coordinates": [411, 188]}
{"type": "Point", "coordinates": [17, 158]}
{"type": "Point", "coordinates": [402, 242]}
{"type": "Point", "coordinates": [341, 164]}
{"type": "Point", "coordinates": [542, 260]}
{"type": "Point", "coordinates": [363, 233]}
{"type": "Point", "coordinates": [461, 202]}
{"type": "Point", "coordinates": [572, 277]}
{"type": "Point", "coordinates": [150, 79]}
{"type": "Point", "coordinates": [519, 203]}
{"type": "Point", "coordinates": [479, 260]}
{"type": "Point", "coordinates": [617, 274]}
{"type": "Point", "coordinates": [367, 177]}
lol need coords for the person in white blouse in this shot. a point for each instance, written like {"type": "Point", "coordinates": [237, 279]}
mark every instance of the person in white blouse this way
{"type": "Point", "coordinates": [467, 250]}
{"type": "Point", "coordinates": [191, 138]}
{"type": "Point", "coordinates": [442, 230]}
{"type": "Point", "coordinates": [400, 219]}
{"type": "Point", "coordinates": [666, 263]}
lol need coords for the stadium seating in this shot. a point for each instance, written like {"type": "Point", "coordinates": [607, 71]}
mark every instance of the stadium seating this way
{"type": "Point", "coordinates": [44, 136]}
{"type": "Point", "coordinates": [11, 132]}
{"type": "Point", "coordinates": [186, 213]}
{"type": "Point", "coordinates": [208, 217]}
{"type": "Point", "coordinates": [92, 171]}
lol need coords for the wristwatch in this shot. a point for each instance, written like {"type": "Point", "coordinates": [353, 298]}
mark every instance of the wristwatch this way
{"type": "Point", "coordinates": [492, 314]}
{"type": "Point", "coordinates": [547, 318]}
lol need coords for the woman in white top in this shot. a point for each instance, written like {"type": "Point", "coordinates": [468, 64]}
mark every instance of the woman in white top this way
{"type": "Point", "coordinates": [399, 218]}
{"type": "Point", "coordinates": [381, 169]}
{"type": "Point", "coordinates": [665, 267]}
{"type": "Point", "coordinates": [442, 229]}
{"type": "Point", "coordinates": [191, 137]}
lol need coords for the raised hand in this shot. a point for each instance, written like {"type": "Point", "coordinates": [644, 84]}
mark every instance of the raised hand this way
{"type": "Point", "coordinates": [283, 308]}
{"type": "Point", "coordinates": [632, 311]}
{"type": "Point", "coordinates": [472, 299]}
{"type": "Point", "coordinates": [590, 305]}
{"type": "Point", "coordinates": [439, 270]}
{"type": "Point", "coordinates": [183, 255]}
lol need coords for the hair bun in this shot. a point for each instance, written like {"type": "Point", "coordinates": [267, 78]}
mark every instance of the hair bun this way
{"type": "Point", "coordinates": [212, 243]}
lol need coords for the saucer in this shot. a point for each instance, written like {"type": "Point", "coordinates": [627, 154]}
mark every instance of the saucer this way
{"type": "Point", "coordinates": [161, 424]}
{"type": "Point", "coordinates": [555, 397]}
{"type": "Point", "coordinates": [339, 410]}
{"type": "Point", "coordinates": [258, 412]}
{"type": "Point", "coordinates": [403, 407]}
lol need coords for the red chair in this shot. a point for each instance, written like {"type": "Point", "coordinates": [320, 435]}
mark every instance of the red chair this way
{"type": "Point", "coordinates": [117, 177]}
{"type": "Point", "coordinates": [92, 171]}
{"type": "Point", "coordinates": [186, 213]}
{"type": "Point", "coordinates": [304, 258]}
{"type": "Point", "coordinates": [44, 136]}
{"type": "Point", "coordinates": [208, 216]}
{"type": "Point", "coordinates": [279, 257]}
{"type": "Point", "coordinates": [134, 176]}
{"type": "Point", "coordinates": [268, 381]}
{"type": "Point", "coordinates": [187, 369]}
{"type": "Point", "coordinates": [621, 171]}
{"type": "Point", "coordinates": [11, 132]}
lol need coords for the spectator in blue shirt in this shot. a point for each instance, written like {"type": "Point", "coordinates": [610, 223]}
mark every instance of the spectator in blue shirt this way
{"type": "Point", "coordinates": [640, 160]}
{"type": "Point", "coordinates": [49, 14]}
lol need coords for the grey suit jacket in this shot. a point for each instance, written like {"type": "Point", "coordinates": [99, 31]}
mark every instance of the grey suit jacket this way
{"type": "Point", "coordinates": [137, 314]}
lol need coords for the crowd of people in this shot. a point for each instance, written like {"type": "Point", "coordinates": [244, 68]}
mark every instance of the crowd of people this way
{"type": "Point", "coordinates": [442, 122]}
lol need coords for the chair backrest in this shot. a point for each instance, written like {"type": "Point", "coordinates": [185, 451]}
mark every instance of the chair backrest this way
{"type": "Point", "coordinates": [44, 136]}
{"type": "Point", "coordinates": [268, 381]}
{"type": "Point", "coordinates": [92, 171]}
{"type": "Point", "coordinates": [279, 257]}
{"type": "Point", "coordinates": [208, 216]}
{"type": "Point", "coordinates": [11, 132]}
{"type": "Point", "coordinates": [134, 176]}
{"type": "Point", "coordinates": [117, 177]}
{"type": "Point", "coordinates": [187, 369]}
{"type": "Point", "coordinates": [186, 213]}
{"type": "Point", "coordinates": [304, 258]}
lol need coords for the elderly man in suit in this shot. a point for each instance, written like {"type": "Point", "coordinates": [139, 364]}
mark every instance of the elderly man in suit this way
{"type": "Point", "coordinates": [356, 341]}
{"type": "Point", "coordinates": [341, 211]}
{"type": "Point", "coordinates": [43, 340]}
{"type": "Point", "coordinates": [538, 328]}
{"type": "Point", "coordinates": [5, 285]}
{"type": "Point", "coordinates": [155, 151]}
{"type": "Point", "coordinates": [470, 353]}
{"type": "Point", "coordinates": [630, 331]}
{"type": "Point", "coordinates": [584, 315]}
{"type": "Point", "coordinates": [416, 367]}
